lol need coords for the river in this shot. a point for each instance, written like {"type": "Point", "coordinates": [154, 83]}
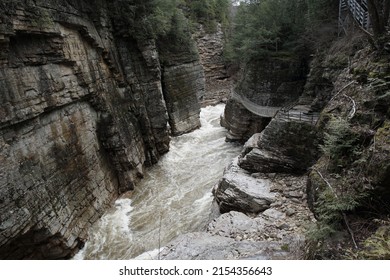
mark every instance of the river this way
{"type": "Point", "coordinates": [174, 197]}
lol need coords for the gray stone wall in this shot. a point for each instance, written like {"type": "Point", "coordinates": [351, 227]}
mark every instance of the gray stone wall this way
{"type": "Point", "coordinates": [82, 112]}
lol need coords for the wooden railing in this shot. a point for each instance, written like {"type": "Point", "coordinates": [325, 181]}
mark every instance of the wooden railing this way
{"type": "Point", "coordinates": [359, 11]}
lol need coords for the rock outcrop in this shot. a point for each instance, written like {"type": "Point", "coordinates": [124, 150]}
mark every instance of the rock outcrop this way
{"type": "Point", "coordinates": [241, 123]}
{"type": "Point", "coordinates": [275, 233]}
{"type": "Point", "coordinates": [204, 246]}
{"type": "Point", "coordinates": [218, 77]}
{"type": "Point", "coordinates": [238, 190]}
{"type": "Point", "coordinates": [182, 85]}
{"type": "Point", "coordinates": [282, 147]}
{"type": "Point", "coordinates": [274, 82]}
{"type": "Point", "coordinates": [84, 106]}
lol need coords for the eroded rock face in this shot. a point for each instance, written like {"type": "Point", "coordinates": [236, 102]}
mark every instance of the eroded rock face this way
{"type": "Point", "coordinates": [283, 147]}
{"type": "Point", "coordinates": [183, 86]}
{"type": "Point", "coordinates": [273, 82]}
{"type": "Point", "coordinates": [218, 77]}
{"type": "Point", "coordinates": [82, 111]}
{"type": "Point", "coordinates": [241, 123]}
{"type": "Point", "coordinates": [55, 183]}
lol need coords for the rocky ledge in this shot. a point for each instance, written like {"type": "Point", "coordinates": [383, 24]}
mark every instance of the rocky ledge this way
{"type": "Point", "coordinates": [283, 147]}
{"type": "Point", "coordinates": [276, 232]}
{"type": "Point", "coordinates": [262, 198]}
{"type": "Point", "coordinates": [240, 191]}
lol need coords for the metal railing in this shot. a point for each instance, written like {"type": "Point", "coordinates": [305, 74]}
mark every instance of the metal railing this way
{"type": "Point", "coordinates": [360, 12]}
{"type": "Point", "coordinates": [298, 116]}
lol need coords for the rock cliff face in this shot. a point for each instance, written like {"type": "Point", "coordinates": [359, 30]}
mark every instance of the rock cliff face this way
{"type": "Point", "coordinates": [283, 147]}
{"type": "Point", "coordinates": [274, 82]}
{"type": "Point", "coordinates": [217, 75]}
{"type": "Point", "coordinates": [84, 106]}
{"type": "Point", "coordinates": [240, 122]}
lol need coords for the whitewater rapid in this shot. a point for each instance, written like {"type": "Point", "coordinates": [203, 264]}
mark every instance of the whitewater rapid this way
{"type": "Point", "coordinates": [174, 197]}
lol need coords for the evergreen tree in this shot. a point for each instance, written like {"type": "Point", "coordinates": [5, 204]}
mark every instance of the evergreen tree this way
{"type": "Point", "coordinates": [264, 27]}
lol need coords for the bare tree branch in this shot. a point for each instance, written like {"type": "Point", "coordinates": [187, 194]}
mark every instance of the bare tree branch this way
{"type": "Point", "coordinates": [353, 111]}
{"type": "Point", "coordinates": [341, 90]}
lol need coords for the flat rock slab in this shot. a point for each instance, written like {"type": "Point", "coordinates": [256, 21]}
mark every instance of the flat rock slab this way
{"type": "Point", "coordinates": [239, 191]}
{"type": "Point", "coordinates": [204, 246]}
{"type": "Point", "coordinates": [234, 223]}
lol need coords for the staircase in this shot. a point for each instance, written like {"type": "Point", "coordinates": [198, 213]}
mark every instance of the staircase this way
{"type": "Point", "coordinates": [357, 9]}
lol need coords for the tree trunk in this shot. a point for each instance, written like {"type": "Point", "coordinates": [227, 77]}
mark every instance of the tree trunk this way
{"type": "Point", "coordinates": [379, 15]}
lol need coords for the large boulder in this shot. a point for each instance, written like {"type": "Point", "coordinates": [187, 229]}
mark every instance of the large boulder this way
{"type": "Point", "coordinates": [239, 191]}
{"type": "Point", "coordinates": [284, 146]}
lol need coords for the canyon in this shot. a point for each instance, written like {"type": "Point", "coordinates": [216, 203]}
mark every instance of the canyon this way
{"type": "Point", "coordinates": [93, 104]}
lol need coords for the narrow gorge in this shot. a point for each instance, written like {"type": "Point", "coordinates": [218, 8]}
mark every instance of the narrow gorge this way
{"type": "Point", "coordinates": [193, 130]}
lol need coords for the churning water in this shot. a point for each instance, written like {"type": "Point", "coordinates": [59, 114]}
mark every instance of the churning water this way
{"type": "Point", "coordinates": [173, 198]}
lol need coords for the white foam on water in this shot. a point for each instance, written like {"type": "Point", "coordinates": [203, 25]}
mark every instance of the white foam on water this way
{"type": "Point", "coordinates": [173, 198]}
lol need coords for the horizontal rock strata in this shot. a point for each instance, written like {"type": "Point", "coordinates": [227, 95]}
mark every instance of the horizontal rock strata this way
{"type": "Point", "coordinates": [238, 190]}
{"type": "Point", "coordinates": [284, 146]}
{"type": "Point", "coordinates": [82, 112]}
{"type": "Point", "coordinates": [217, 75]}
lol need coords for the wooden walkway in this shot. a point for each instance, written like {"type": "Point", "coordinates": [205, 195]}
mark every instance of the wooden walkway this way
{"type": "Point", "coordinates": [358, 9]}
{"type": "Point", "coordinates": [293, 113]}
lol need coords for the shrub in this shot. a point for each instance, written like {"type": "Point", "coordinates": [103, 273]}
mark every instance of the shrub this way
{"type": "Point", "coordinates": [340, 143]}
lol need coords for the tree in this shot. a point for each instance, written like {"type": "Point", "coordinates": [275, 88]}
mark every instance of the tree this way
{"type": "Point", "coordinates": [262, 28]}
{"type": "Point", "coordinates": [379, 14]}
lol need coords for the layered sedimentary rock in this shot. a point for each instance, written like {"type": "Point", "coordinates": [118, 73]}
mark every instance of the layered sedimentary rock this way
{"type": "Point", "coordinates": [183, 85]}
{"type": "Point", "coordinates": [283, 147]}
{"type": "Point", "coordinates": [274, 82]}
{"type": "Point", "coordinates": [239, 191]}
{"type": "Point", "coordinates": [240, 122]}
{"type": "Point", "coordinates": [218, 77]}
{"type": "Point", "coordinates": [82, 111]}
